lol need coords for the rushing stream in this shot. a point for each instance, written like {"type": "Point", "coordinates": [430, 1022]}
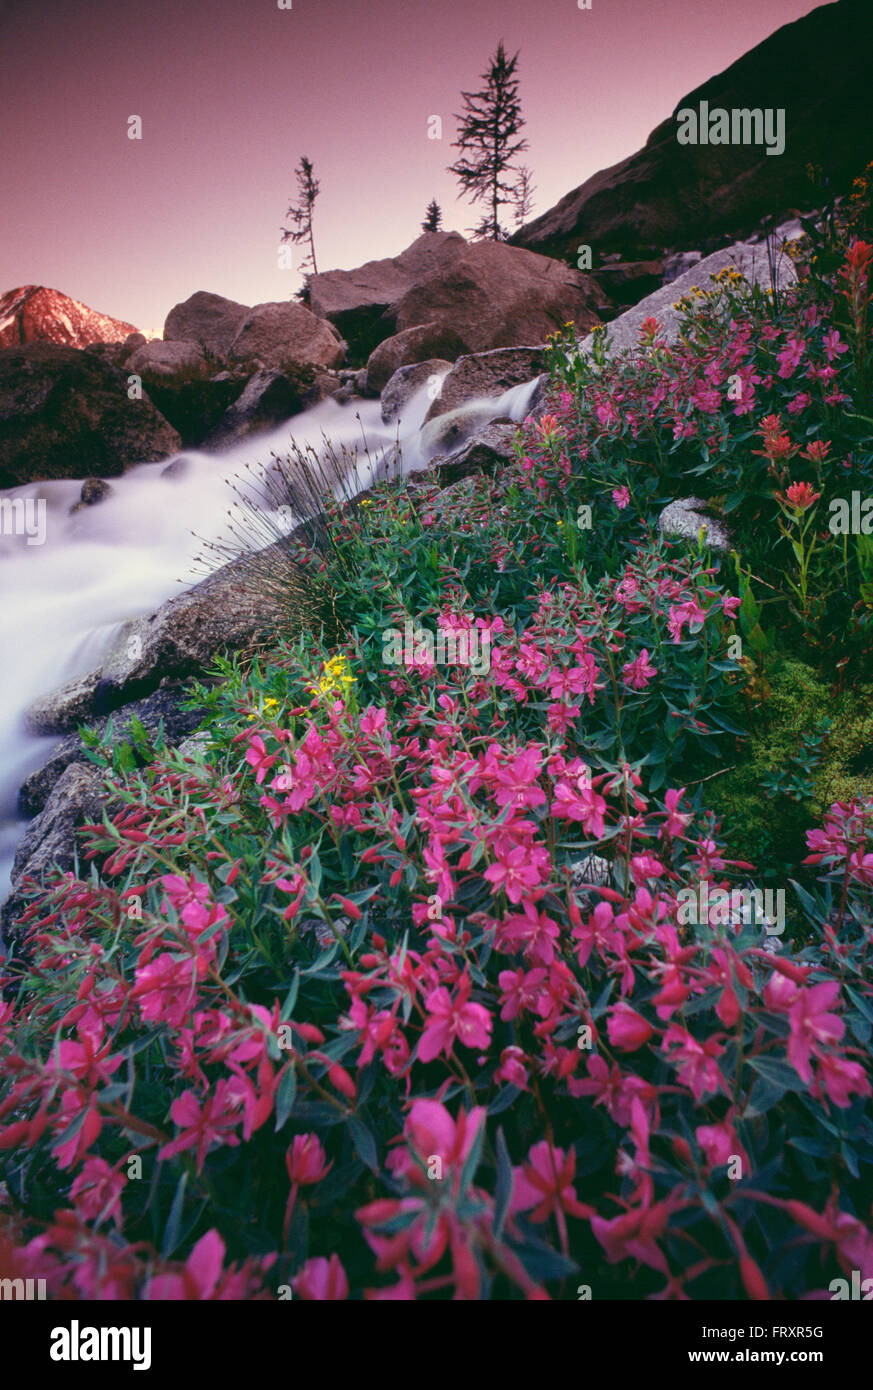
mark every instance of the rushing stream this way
{"type": "Point", "coordinates": [63, 600]}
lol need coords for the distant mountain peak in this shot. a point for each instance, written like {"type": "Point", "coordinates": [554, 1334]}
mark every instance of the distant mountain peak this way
{"type": "Point", "coordinates": [34, 313]}
{"type": "Point", "coordinates": [813, 74]}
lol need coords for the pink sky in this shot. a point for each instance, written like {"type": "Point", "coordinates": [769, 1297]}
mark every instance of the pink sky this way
{"type": "Point", "coordinates": [232, 92]}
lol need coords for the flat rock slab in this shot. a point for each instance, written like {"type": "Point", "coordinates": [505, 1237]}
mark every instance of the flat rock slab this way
{"type": "Point", "coordinates": [160, 711]}
{"type": "Point", "coordinates": [76, 799]}
{"type": "Point", "coordinates": [64, 709]}
{"type": "Point", "coordinates": [750, 258]}
{"type": "Point", "coordinates": [238, 603]}
{"type": "Point", "coordinates": [165, 359]}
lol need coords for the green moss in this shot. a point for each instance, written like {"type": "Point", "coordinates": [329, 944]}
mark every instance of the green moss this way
{"type": "Point", "coordinates": [770, 830]}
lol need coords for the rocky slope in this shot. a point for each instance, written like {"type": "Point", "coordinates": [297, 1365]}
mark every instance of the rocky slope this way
{"type": "Point", "coordinates": [35, 314]}
{"type": "Point", "coordinates": [669, 195]}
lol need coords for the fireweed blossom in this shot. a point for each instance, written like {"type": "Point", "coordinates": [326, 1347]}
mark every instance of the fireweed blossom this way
{"type": "Point", "coordinates": [639, 672]}
{"type": "Point", "coordinates": [453, 1019]}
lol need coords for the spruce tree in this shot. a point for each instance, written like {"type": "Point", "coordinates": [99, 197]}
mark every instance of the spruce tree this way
{"type": "Point", "coordinates": [433, 217]}
{"type": "Point", "coordinates": [300, 213]}
{"type": "Point", "coordinates": [487, 132]}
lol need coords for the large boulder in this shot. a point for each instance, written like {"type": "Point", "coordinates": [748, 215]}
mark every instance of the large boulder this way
{"type": "Point", "coordinates": [414, 345]}
{"type": "Point", "coordinates": [284, 331]}
{"type": "Point", "coordinates": [667, 195]}
{"type": "Point", "coordinates": [749, 257]}
{"type": "Point", "coordinates": [165, 359]}
{"type": "Point", "coordinates": [406, 381]}
{"type": "Point", "coordinates": [208, 319]}
{"type": "Point", "coordinates": [193, 402]}
{"type": "Point", "coordinates": [486, 375]}
{"type": "Point", "coordinates": [269, 398]}
{"type": "Point", "coordinates": [67, 414]}
{"type": "Point", "coordinates": [357, 301]}
{"type": "Point", "coordinates": [494, 295]}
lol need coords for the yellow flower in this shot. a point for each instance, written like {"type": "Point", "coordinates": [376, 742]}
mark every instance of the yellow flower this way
{"type": "Point", "coordinates": [336, 679]}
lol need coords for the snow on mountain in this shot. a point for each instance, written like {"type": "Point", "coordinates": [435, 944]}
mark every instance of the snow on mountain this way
{"type": "Point", "coordinates": [34, 313]}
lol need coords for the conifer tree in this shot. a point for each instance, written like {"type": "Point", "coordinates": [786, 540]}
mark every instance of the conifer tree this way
{"type": "Point", "coordinates": [487, 131]}
{"type": "Point", "coordinates": [300, 213]}
{"type": "Point", "coordinates": [433, 217]}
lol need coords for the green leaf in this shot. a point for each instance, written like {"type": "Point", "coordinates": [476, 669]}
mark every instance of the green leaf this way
{"type": "Point", "coordinates": [365, 1144]}
{"type": "Point", "coordinates": [815, 1147]}
{"type": "Point", "coordinates": [471, 1162]}
{"type": "Point", "coordinates": [775, 1078]}
{"type": "Point", "coordinates": [174, 1220]}
{"type": "Point", "coordinates": [285, 1096]}
{"type": "Point", "coordinates": [850, 1158]}
{"type": "Point", "coordinates": [808, 903]}
{"type": "Point", "coordinates": [861, 1004]}
{"type": "Point", "coordinates": [503, 1186]}
{"type": "Point", "coordinates": [776, 1072]}
{"type": "Point", "coordinates": [503, 1099]}
{"type": "Point", "coordinates": [313, 869]}
{"type": "Point", "coordinates": [542, 1262]}
{"type": "Point", "coordinates": [291, 997]}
